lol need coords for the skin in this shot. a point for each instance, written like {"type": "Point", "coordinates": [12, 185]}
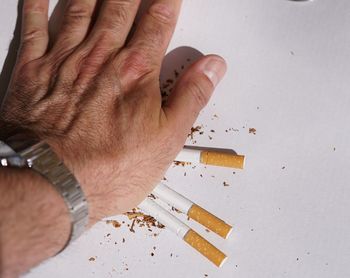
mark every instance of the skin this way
{"type": "Point", "coordinates": [95, 99]}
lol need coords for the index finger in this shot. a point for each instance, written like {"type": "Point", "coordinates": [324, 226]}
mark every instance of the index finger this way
{"type": "Point", "coordinates": [34, 35]}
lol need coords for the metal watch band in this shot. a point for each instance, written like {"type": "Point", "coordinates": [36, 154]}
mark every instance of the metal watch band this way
{"type": "Point", "coordinates": [42, 159]}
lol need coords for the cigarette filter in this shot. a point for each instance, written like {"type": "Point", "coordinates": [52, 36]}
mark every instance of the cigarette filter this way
{"type": "Point", "coordinates": [216, 158]}
{"type": "Point", "coordinates": [222, 159]}
{"type": "Point", "coordinates": [210, 221]}
{"type": "Point", "coordinates": [184, 232]}
{"type": "Point", "coordinates": [194, 211]}
{"type": "Point", "coordinates": [205, 248]}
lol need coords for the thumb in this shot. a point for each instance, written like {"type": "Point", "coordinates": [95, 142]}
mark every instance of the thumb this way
{"type": "Point", "coordinates": [193, 91]}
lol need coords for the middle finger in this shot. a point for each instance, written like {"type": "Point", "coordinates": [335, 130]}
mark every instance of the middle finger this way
{"type": "Point", "coordinates": [114, 23]}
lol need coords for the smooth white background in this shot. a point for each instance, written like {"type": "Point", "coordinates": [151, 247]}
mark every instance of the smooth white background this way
{"type": "Point", "coordinates": [288, 77]}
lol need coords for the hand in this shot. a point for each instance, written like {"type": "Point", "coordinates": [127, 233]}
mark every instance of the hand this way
{"type": "Point", "coordinates": [96, 100]}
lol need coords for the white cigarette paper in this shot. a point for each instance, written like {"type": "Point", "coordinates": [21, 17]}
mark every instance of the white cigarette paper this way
{"type": "Point", "coordinates": [173, 198]}
{"type": "Point", "coordinates": [164, 217]}
{"type": "Point", "coordinates": [194, 211]}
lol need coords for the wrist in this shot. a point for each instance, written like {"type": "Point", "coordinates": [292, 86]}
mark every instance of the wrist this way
{"type": "Point", "coordinates": [101, 191]}
{"type": "Point", "coordinates": [22, 152]}
{"type": "Point", "coordinates": [92, 182]}
{"type": "Point", "coordinates": [35, 220]}
{"type": "Point", "coordinates": [105, 183]}
{"type": "Point", "coordinates": [35, 191]}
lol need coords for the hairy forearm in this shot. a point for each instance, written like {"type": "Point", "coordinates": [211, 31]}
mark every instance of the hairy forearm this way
{"type": "Point", "coordinates": [34, 221]}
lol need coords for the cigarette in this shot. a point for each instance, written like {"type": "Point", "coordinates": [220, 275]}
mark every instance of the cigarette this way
{"type": "Point", "coordinates": [193, 210]}
{"type": "Point", "coordinates": [208, 157]}
{"type": "Point", "coordinates": [184, 232]}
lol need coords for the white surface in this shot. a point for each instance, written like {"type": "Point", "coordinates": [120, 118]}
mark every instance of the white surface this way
{"type": "Point", "coordinates": [188, 155]}
{"type": "Point", "coordinates": [172, 223]}
{"type": "Point", "coordinates": [288, 77]}
{"type": "Point", "coordinates": [172, 198]}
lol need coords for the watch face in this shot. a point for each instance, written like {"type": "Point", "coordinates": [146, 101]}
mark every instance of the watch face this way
{"type": "Point", "coordinates": [5, 150]}
{"type": "Point", "coordinates": [8, 157]}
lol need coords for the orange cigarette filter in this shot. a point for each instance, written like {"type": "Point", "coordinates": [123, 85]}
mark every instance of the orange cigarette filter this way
{"type": "Point", "coordinates": [209, 220]}
{"type": "Point", "coordinates": [222, 159]}
{"type": "Point", "coordinates": [205, 248]}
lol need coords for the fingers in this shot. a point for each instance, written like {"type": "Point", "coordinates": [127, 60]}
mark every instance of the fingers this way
{"type": "Point", "coordinates": [155, 29]}
{"type": "Point", "coordinates": [143, 55]}
{"type": "Point", "coordinates": [75, 24]}
{"type": "Point", "coordinates": [34, 36]}
{"type": "Point", "coordinates": [110, 28]}
{"type": "Point", "coordinates": [192, 92]}
{"type": "Point", "coordinates": [114, 22]}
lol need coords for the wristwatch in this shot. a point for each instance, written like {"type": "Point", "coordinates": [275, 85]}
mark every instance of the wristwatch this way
{"type": "Point", "coordinates": [38, 155]}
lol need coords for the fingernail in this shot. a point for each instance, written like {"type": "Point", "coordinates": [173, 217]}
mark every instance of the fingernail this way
{"type": "Point", "coordinates": [215, 69]}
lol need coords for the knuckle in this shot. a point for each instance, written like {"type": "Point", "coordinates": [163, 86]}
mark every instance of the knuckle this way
{"type": "Point", "coordinates": [91, 62]}
{"type": "Point", "coordinates": [33, 7]}
{"type": "Point", "coordinates": [78, 11]}
{"type": "Point", "coordinates": [162, 13]}
{"type": "Point", "coordinates": [136, 64]}
{"type": "Point", "coordinates": [31, 36]}
{"type": "Point", "coordinates": [157, 30]}
{"type": "Point", "coordinates": [160, 25]}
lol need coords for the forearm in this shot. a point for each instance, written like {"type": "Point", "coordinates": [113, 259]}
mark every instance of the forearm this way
{"type": "Point", "coordinates": [34, 221]}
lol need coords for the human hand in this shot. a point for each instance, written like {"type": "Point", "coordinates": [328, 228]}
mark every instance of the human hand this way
{"type": "Point", "coordinates": [96, 99]}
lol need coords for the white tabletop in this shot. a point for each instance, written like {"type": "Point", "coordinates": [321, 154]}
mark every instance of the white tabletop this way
{"type": "Point", "coordinates": [288, 77]}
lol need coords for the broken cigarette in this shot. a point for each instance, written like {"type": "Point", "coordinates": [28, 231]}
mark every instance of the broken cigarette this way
{"type": "Point", "coordinates": [208, 157]}
{"type": "Point", "coordinates": [193, 210]}
{"type": "Point", "coordinates": [205, 247]}
{"type": "Point", "coordinates": [183, 231]}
